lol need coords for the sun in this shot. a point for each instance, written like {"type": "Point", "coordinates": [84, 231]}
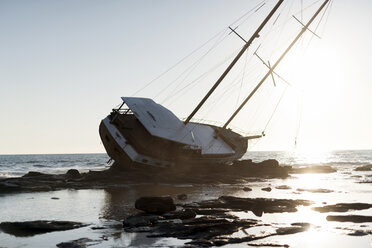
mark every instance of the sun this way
{"type": "Point", "coordinates": [319, 87]}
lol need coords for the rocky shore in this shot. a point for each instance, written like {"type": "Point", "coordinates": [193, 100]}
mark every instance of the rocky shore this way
{"type": "Point", "coordinates": [239, 172]}
{"type": "Point", "coordinates": [210, 221]}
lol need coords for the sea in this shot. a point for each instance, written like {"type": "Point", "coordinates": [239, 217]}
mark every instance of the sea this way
{"type": "Point", "coordinates": [18, 165]}
{"type": "Point", "coordinates": [106, 208]}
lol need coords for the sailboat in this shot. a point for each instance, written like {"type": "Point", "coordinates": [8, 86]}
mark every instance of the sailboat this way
{"type": "Point", "coordinates": [143, 132]}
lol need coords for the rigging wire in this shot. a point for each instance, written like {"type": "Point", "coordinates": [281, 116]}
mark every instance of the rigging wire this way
{"type": "Point", "coordinates": [281, 30]}
{"type": "Point", "coordinates": [200, 77]}
{"type": "Point", "coordinates": [242, 80]}
{"type": "Point", "coordinates": [255, 9]}
{"type": "Point", "coordinates": [227, 89]}
{"type": "Point", "coordinates": [197, 49]}
{"type": "Point", "coordinates": [177, 63]}
{"type": "Point", "coordinates": [243, 20]}
{"type": "Point", "coordinates": [283, 93]}
{"type": "Point", "coordinates": [300, 104]}
{"type": "Point", "coordinates": [276, 107]}
{"type": "Point", "coordinates": [264, 36]}
{"type": "Point", "coordinates": [327, 17]}
{"type": "Point", "coordinates": [287, 86]}
{"type": "Point", "coordinates": [193, 66]}
{"type": "Point", "coordinates": [320, 21]}
{"type": "Point", "coordinates": [300, 109]}
{"type": "Point", "coordinates": [302, 12]}
{"type": "Point", "coordinates": [204, 74]}
{"type": "Point", "coordinates": [258, 114]}
{"type": "Point", "coordinates": [247, 15]}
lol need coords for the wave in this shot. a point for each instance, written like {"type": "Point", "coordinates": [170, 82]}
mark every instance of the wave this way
{"type": "Point", "coordinates": [40, 165]}
{"type": "Point", "coordinates": [33, 161]}
{"type": "Point", "coordinates": [337, 163]}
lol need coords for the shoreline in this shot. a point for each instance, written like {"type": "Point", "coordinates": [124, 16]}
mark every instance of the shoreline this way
{"type": "Point", "coordinates": [103, 202]}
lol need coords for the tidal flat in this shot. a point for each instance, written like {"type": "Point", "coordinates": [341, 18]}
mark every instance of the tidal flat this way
{"type": "Point", "coordinates": [104, 210]}
{"type": "Point", "coordinates": [319, 207]}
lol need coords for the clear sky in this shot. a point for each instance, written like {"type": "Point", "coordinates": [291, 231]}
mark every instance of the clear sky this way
{"type": "Point", "coordinates": [65, 64]}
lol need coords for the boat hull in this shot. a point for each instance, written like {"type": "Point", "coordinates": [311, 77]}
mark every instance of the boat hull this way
{"type": "Point", "coordinates": [127, 151]}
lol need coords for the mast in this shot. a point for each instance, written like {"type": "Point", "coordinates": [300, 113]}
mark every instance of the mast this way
{"type": "Point", "coordinates": [245, 47]}
{"type": "Point", "coordinates": [276, 63]}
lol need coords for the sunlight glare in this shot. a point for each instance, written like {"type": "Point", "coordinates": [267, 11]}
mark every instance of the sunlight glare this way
{"type": "Point", "coordinates": [319, 88]}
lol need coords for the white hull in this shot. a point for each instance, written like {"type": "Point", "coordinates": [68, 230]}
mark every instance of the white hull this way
{"type": "Point", "coordinates": [128, 140]}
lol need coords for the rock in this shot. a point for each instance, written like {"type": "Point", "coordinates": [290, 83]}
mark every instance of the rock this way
{"type": "Point", "coordinates": [356, 232]}
{"type": "Point", "coordinates": [366, 181]}
{"type": "Point", "coordinates": [290, 230]}
{"type": "Point", "coordinates": [247, 189]}
{"type": "Point", "coordinates": [34, 174]}
{"type": "Point", "coordinates": [268, 189]}
{"type": "Point", "coordinates": [313, 169]}
{"type": "Point", "coordinates": [342, 207]}
{"type": "Point", "coordinates": [268, 245]}
{"type": "Point", "coordinates": [364, 168]}
{"type": "Point", "coordinates": [201, 228]}
{"type": "Point", "coordinates": [201, 243]}
{"type": "Point", "coordinates": [97, 227]}
{"type": "Point", "coordinates": [182, 197]}
{"type": "Point", "coordinates": [216, 226]}
{"type": "Point", "coordinates": [155, 205]}
{"type": "Point", "coordinates": [239, 172]}
{"type": "Point", "coordinates": [183, 214]}
{"type": "Point", "coordinates": [267, 169]}
{"type": "Point", "coordinates": [283, 187]}
{"type": "Point", "coordinates": [270, 162]}
{"type": "Point", "coordinates": [9, 187]}
{"type": "Point", "coordinates": [30, 228]}
{"type": "Point", "coordinates": [140, 220]}
{"type": "Point", "coordinates": [350, 218]}
{"type": "Point", "coordinates": [210, 211]}
{"type": "Point", "coordinates": [257, 205]}
{"type": "Point", "coordinates": [360, 233]}
{"type": "Point", "coordinates": [316, 190]}
{"type": "Point", "coordinates": [221, 241]}
{"type": "Point", "coordinates": [73, 174]}
{"type": "Point", "coordinates": [303, 224]}
{"type": "Point", "coordinates": [79, 243]}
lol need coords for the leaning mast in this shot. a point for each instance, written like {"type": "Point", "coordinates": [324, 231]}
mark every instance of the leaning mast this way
{"type": "Point", "coordinates": [305, 27]}
{"type": "Point", "coordinates": [245, 47]}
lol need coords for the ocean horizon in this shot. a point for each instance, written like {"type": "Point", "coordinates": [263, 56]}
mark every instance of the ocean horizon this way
{"type": "Point", "coordinates": [13, 165]}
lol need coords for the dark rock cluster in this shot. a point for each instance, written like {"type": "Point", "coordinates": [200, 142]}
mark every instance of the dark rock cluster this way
{"type": "Point", "coordinates": [257, 205]}
{"type": "Point", "coordinates": [350, 218]}
{"type": "Point", "coordinates": [30, 228]}
{"type": "Point", "coordinates": [208, 223]}
{"type": "Point", "coordinates": [364, 168]}
{"type": "Point", "coordinates": [342, 207]}
{"type": "Point", "coordinates": [240, 171]}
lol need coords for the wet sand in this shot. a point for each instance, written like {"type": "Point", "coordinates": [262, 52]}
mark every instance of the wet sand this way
{"type": "Point", "coordinates": [104, 210]}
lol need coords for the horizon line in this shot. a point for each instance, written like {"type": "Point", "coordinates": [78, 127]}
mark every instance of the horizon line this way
{"type": "Point", "coordinates": [80, 153]}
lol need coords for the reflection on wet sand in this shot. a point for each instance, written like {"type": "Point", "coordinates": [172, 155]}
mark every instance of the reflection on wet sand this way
{"type": "Point", "coordinates": [108, 207]}
{"type": "Point", "coordinates": [118, 203]}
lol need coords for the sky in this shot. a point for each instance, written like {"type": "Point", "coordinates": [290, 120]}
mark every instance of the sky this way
{"type": "Point", "coordinates": [65, 64]}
